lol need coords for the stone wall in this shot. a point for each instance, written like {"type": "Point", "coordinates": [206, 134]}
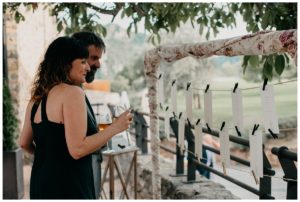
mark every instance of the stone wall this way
{"type": "Point", "coordinates": [173, 187]}
{"type": "Point", "coordinates": [26, 43]}
{"type": "Point", "coordinates": [10, 38]}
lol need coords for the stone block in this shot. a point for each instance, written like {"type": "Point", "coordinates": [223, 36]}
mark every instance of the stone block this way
{"type": "Point", "coordinates": [174, 187]}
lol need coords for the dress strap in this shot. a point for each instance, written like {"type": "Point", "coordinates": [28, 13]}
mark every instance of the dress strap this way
{"type": "Point", "coordinates": [90, 113]}
{"type": "Point", "coordinates": [43, 109]}
{"type": "Point", "coordinates": [89, 108]}
{"type": "Point", "coordinates": [34, 108]}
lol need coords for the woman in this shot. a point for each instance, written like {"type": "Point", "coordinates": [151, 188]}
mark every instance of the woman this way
{"type": "Point", "coordinates": [58, 127]}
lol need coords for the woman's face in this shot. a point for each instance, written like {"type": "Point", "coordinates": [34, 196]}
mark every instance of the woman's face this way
{"type": "Point", "coordinates": [78, 71]}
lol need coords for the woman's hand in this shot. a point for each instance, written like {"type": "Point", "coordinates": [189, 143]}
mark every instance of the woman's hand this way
{"type": "Point", "coordinates": [122, 122]}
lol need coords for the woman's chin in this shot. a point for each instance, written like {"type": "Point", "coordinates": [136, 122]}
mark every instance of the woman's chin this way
{"type": "Point", "coordinates": [82, 80]}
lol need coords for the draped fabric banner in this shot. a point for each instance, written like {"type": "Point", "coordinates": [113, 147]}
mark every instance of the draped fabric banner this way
{"type": "Point", "coordinates": [260, 43]}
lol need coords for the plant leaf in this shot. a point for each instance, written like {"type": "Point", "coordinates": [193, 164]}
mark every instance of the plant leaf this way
{"type": "Point", "coordinates": [268, 70]}
{"type": "Point", "coordinates": [253, 60]}
{"type": "Point", "coordinates": [279, 64]}
{"type": "Point", "coordinates": [286, 58]}
{"type": "Point", "coordinates": [59, 26]}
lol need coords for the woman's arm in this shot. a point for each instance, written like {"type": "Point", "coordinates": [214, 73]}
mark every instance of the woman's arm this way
{"type": "Point", "coordinates": [26, 138]}
{"type": "Point", "coordinates": [75, 120]}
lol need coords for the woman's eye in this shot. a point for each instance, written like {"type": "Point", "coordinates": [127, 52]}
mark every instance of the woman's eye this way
{"type": "Point", "coordinates": [83, 62]}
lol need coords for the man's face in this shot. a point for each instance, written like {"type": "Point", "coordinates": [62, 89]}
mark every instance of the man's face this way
{"type": "Point", "coordinates": [95, 55]}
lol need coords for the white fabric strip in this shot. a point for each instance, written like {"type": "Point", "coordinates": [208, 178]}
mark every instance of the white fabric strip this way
{"type": "Point", "coordinates": [181, 131]}
{"type": "Point", "coordinates": [189, 104]}
{"type": "Point", "coordinates": [167, 124]}
{"type": "Point", "coordinates": [256, 153]}
{"type": "Point", "coordinates": [270, 118]}
{"type": "Point", "coordinates": [225, 147]}
{"type": "Point", "coordinates": [237, 109]}
{"type": "Point", "coordinates": [208, 108]}
{"type": "Point", "coordinates": [174, 98]}
{"type": "Point", "coordinates": [198, 141]}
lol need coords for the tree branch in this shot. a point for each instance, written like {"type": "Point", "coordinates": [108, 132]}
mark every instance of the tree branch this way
{"type": "Point", "coordinates": [139, 10]}
{"type": "Point", "coordinates": [112, 12]}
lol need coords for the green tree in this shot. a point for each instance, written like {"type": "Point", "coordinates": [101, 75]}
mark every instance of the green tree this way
{"type": "Point", "coordinates": [135, 74]}
{"type": "Point", "coordinates": [131, 79]}
{"type": "Point", "coordinates": [268, 16]}
{"type": "Point", "coordinates": [170, 16]}
{"type": "Point", "coordinates": [10, 122]}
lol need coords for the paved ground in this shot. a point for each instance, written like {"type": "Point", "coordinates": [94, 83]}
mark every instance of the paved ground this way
{"type": "Point", "coordinates": [27, 171]}
{"type": "Point", "coordinates": [278, 185]}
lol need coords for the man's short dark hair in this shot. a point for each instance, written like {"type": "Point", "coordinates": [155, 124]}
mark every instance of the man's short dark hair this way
{"type": "Point", "coordinates": [90, 38]}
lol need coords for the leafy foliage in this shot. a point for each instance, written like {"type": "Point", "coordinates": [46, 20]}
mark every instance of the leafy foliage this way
{"type": "Point", "coordinates": [10, 122]}
{"type": "Point", "coordinates": [268, 16]}
{"type": "Point", "coordinates": [155, 16]}
{"type": "Point", "coordinates": [131, 79]}
{"type": "Point", "coordinates": [170, 16]}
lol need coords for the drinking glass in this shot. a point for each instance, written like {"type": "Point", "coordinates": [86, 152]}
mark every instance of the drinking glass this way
{"type": "Point", "coordinates": [105, 119]}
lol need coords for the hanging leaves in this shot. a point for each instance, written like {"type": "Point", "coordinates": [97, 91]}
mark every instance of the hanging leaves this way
{"type": "Point", "coordinates": [268, 70]}
{"type": "Point", "coordinates": [245, 63]}
{"type": "Point", "coordinates": [60, 26]}
{"type": "Point", "coordinates": [210, 17]}
{"type": "Point", "coordinates": [279, 64]}
{"type": "Point", "coordinates": [19, 17]}
{"type": "Point", "coordinates": [254, 61]}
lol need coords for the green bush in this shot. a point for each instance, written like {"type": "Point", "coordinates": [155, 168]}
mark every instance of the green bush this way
{"type": "Point", "coordinates": [10, 122]}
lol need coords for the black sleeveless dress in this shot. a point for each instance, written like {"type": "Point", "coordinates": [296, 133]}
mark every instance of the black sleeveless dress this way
{"type": "Point", "coordinates": [55, 174]}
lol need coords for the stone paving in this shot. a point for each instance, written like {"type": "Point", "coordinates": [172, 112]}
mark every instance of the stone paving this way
{"type": "Point", "coordinates": [278, 185]}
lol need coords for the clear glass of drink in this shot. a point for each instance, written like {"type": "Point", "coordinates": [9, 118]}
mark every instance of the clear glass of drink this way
{"type": "Point", "coordinates": [105, 119]}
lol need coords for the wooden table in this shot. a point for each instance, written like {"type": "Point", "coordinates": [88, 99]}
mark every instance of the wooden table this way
{"type": "Point", "coordinates": [112, 164]}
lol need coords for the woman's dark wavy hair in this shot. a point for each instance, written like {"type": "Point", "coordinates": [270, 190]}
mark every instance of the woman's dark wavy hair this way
{"type": "Point", "coordinates": [56, 65]}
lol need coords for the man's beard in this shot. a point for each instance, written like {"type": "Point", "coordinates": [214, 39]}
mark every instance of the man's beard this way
{"type": "Point", "coordinates": [90, 76]}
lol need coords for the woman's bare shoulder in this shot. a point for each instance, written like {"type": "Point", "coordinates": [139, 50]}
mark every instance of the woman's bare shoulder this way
{"type": "Point", "coordinates": [29, 105]}
{"type": "Point", "coordinates": [71, 91]}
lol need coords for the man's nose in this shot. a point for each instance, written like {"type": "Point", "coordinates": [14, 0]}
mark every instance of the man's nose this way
{"type": "Point", "coordinates": [97, 64]}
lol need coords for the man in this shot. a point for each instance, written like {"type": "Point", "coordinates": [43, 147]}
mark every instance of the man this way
{"type": "Point", "coordinates": [96, 47]}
